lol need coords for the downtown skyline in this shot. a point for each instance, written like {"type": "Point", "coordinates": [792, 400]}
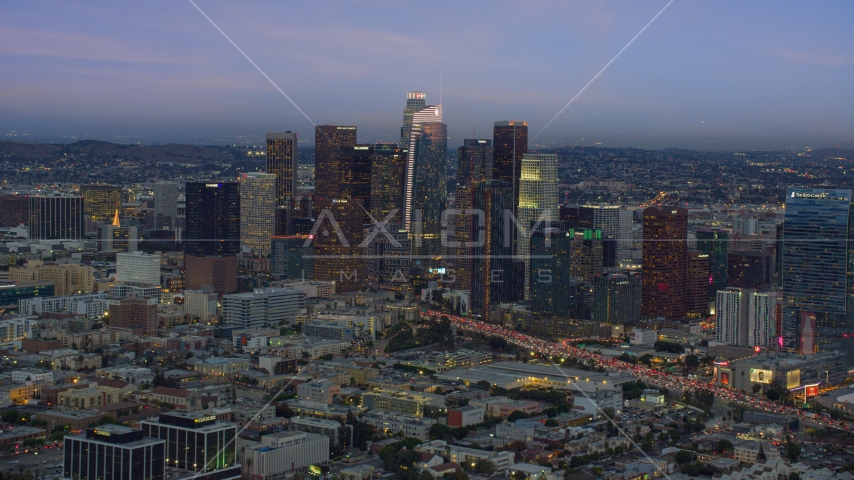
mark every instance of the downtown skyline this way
{"type": "Point", "coordinates": [701, 76]}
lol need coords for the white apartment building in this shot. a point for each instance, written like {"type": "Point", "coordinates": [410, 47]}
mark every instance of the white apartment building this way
{"type": "Point", "coordinates": [746, 317]}
{"type": "Point", "coordinates": [278, 453]}
{"type": "Point", "coordinates": [198, 303]}
{"type": "Point", "coordinates": [138, 267]}
{"type": "Point", "coordinates": [594, 402]}
{"type": "Point", "coordinates": [92, 305]}
{"type": "Point", "coordinates": [16, 329]}
{"type": "Point", "coordinates": [264, 307]}
{"type": "Point", "coordinates": [409, 426]}
{"type": "Point", "coordinates": [317, 349]}
{"type": "Point", "coordinates": [31, 375]}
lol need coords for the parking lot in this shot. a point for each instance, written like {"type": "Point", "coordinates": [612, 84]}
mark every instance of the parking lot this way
{"type": "Point", "coordinates": [43, 462]}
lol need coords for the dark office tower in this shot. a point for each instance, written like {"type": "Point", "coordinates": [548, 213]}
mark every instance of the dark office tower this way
{"type": "Point", "coordinates": [290, 258]}
{"type": "Point", "coordinates": [56, 217]}
{"type": "Point", "coordinates": [609, 252]}
{"type": "Point", "coordinates": [213, 219]}
{"type": "Point", "coordinates": [750, 269]}
{"type": "Point", "coordinates": [337, 233]}
{"type": "Point", "coordinates": [571, 216]}
{"type": "Point", "coordinates": [474, 161]}
{"type": "Point", "coordinates": [415, 102]}
{"type": "Point", "coordinates": [492, 262]}
{"type": "Point", "coordinates": [114, 452]}
{"type": "Point", "coordinates": [387, 260]}
{"type": "Point", "coordinates": [282, 162]}
{"type": "Point", "coordinates": [817, 284]}
{"type": "Point", "coordinates": [328, 171]}
{"type": "Point", "coordinates": [388, 169]}
{"type": "Point", "coordinates": [101, 201]}
{"type": "Point", "coordinates": [617, 298]}
{"type": "Point", "coordinates": [697, 299]}
{"type": "Point", "coordinates": [14, 210]}
{"type": "Point", "coordinates": [778, 255]}
{"type": "Point", "coordinates": [509, 144]}
{"type": "Point", "coordinates": [551, 256]}
{"type": "Point", "coordinates": [715, 243]}
{"type": "Point", "coordinates": [355, 172]}
{"type": "Point", "coordinates": [466, 228]}
{"type": "Point", "coordinates": [196, 442]}
{"type": "Point", "coordinates": [425, 184]}
{"type": "Point", "coordinates": [665, 262]}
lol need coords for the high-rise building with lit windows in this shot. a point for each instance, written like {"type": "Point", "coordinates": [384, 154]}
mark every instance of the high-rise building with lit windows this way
{"type": "Point", "coordinates": [282, 162]}
{"type": "Point", "coordinates": [538, 201]}
{"type": "Point", "coordinates": [257, 211]}
{"type": "Point", "coordinates": [388, 169]}
{"type": "Point", "coordinates": [100, 201]}
{"type": "Point", "coordinates": [474, 160]}
{"type": "Point", "coordinates": [328, 170]}
{"type": "Point", "coordinates": [492, 272]}
{"type": "Point", "coordinates": [665, 263]}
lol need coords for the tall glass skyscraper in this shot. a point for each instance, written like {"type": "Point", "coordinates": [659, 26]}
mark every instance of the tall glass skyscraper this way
{"type": "Point", "coordinates": [425, 184]}
{"type": "Point", "coordinates": [538, 201]}
{"type": "Point", "coordinates": [715, 243]}
{"type": "Point", "coordinates": [817, 269]}
{"type": "Point", "coordinates": [282, 162]}
{"type": "Point", "coordinates": [509, 144]}
{"type": "Point", "coordinates": [415, 102]}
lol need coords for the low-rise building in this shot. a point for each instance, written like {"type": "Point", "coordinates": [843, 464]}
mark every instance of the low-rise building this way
{"type": "Point", "coordinates": [503, 406]}
{"type": "Point", "coordinates": [465, 416]}
{"type": "Point", "coordinates": [278, 453]}
{"type": "Point", "coordinates": [222, 367]}
{"type": "Point", "coordinates": [462, 455]}
{"type": "Point", "coordinates": [401, 402]}
{"type": "Point", "coordinates": [319, 426]}
{"type": "Point", "coordinates": [323, 391]}
{"type": "Point", "coordinates": [89, 397]}
{"type": "Point", "coordinates": [25, 375]}
{"type": "Point", "coordinates": [407, 425]}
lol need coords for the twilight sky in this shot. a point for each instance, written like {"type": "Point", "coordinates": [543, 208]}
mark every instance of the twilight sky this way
{"type": "Point", "coordinates": [706, 74]}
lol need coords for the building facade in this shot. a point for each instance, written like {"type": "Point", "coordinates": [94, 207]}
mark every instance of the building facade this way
{"type": "Point", "coordinates": [665, 262]}
{"type": "Point", "coordinates": [257, 211]}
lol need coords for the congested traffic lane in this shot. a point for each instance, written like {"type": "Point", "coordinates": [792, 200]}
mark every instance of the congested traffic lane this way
{"type": "Point", "coordinates": [565, 349]}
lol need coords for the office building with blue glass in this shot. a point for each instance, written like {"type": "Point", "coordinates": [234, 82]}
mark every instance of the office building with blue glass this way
{"type": "Point", "coordinates": [816, 270]}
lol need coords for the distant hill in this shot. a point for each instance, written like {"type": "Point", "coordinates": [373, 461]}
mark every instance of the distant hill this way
{"type": "Point", "coordinates": [94, 150]}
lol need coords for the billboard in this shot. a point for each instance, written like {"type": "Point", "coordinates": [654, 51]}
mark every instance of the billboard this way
{"type": "Point", "coordinates": [807, 337]}
{"type": "Point", "coordinates": [724, 378]}
{"type": "Point", "coordinates": [812, 390]}
{"type": "Point", "coordinates": [758, 375]}
{"type": "Point", "coordinates": [793, 379]}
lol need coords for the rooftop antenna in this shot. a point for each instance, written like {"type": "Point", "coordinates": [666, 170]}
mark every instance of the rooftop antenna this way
{"type": "Point", "coordinates": [440, 88]}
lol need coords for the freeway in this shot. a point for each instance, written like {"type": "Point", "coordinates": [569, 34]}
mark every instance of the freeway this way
{"type": "Point", "coordinates": [647, 375]}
